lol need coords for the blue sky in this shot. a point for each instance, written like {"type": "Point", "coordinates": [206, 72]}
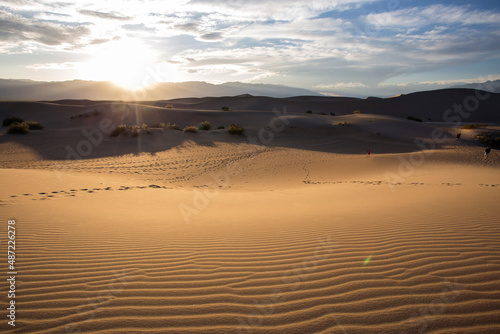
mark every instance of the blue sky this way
{"type": "Point", "coordinates": [337, 47]}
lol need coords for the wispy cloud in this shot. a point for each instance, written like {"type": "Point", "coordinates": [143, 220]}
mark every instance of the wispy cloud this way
{"type": "Point", "coordinates": [105, 16]}
{"type": "Point", "coordinates": [431, 15]}
{"type": "Point", "coordinates": [54, 66]}
{"type": "Point", "coordinates": [14, 28]}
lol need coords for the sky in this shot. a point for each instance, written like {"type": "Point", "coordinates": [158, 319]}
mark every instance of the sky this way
{"type": "Point", "coordinates": [336, 47]}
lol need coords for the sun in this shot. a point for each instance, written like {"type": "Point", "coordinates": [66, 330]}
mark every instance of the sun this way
{"type": "Point", "coordinates": [126, 63]}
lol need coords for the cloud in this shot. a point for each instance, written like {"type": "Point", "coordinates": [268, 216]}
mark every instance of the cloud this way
{"type": "Point", "coordinates": [189, 27]}
{"type": "Point", "coordinates": [211, 37]}
{"type": "Point", "coordinates": [341, 85]}
{"type": "Point", "coordinates": [105, 16]}
{"type": "Point", "coordinates": [14, 28]}
{"type": "Point", "coordinates": [54, 66]}
{"type": "Point", "coordinates": [434, 14]}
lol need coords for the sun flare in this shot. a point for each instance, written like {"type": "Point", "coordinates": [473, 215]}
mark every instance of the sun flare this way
{"type": "Point", "coordinates": [127, 63]}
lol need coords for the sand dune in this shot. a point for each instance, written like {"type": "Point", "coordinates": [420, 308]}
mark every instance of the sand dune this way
{"type": "Point", "coordinates": [212, 233]}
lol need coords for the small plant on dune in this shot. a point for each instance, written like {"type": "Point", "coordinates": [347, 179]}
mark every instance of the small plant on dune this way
{"type": "Point", "coordinates": [357, 112]}
{"type": "Point", "coordinates": [473, 126]}
{"type": "Point", "coordinates": [343, 123]}
{"type": "Point", "coordinates": [411, 118]}
{"type": "Point", "coordinates": [225, 108]}
{"type": "Point", "coordinates": [120, 129]}
{"type": "Point", "coordinates": [169, 106]}
{"type": "Point", "coordinates": [483, 138]}
{"type": "Point", "coordinates": [191, 129]}
{"type": "Point", "coordinates": [135, 129]}
{"type": "Point", "coordinates": [204, 126]}
{"type": "Point", "coordinates": [332, 114]}
{"type": "Point", "coordinates": [173, 126]}
{"type": "Point", "coordinates": [309, 112]}
{"type": "Point", "coordinates": [235, 129]}
{"type": "Point", "coordinates": [144, 126]}
{"type": "Point", "coordinates": [220, 127]}
{"type": "Point", "coordinates": [18, 128]}
{"type": "Point", "coordinates": [12, 119]}
{"type": "Point", "coordinates": [34, 125]}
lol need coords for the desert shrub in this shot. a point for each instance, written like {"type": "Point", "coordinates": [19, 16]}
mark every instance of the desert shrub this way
{"type": "Point", "coordinates": [192, 129]}
{"type": "Point", "coordinates": [204, 126]}
{"type": "Point", "coordinates": [135, 129]}
{"type": "Point", "coordinates": [309, 112]}
{"type": "Point", "coordinates": [235, 129]}
{"type": "Point", "coordinates": [32, 125]}
{"type": "Point", "coordinates": [225, 108]}
{"type": "Point", "coordinates": [144, 126]}
{"type": "Point", "coordinates": [473, 126]}
{"type": "Point", "coordinates": [169, 106]}
{"type": "Point", "coordinates": [343, 123]}
{"type": "Point", "coordinates": [483, 138]}
{"type": "Point", "coordinates": [120, 129]}
{"type": "Point", "coordinates": [18, 128]}
{"type": "Point", "coordinates": [332, 114]}
{"type": "Point", "coordinates": [357, 112]}
{"type": "Point", "coordinates": [496, 142]}
{"type": "Point", "coordinates": [220, 127]}
{"type": "Point", "coordinates": [411, 118]}
{"type": "Point", "coordinates": [173, 126]}
{"type": "Point", "coordinates": [11, 119]}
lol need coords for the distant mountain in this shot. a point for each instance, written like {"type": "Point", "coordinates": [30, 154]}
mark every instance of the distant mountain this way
{"type": "Point", "coordinates": [100, 90]}
{"type": "Point", "coordinates": [489, 86]}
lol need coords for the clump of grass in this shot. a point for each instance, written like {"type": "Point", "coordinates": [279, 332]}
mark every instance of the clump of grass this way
{"type": "Point", "coordinates": [191, 129]}
{"type": "Point", "coordinates": [32, 125]}
{"type": "Point", "coordinates": [173, 126]}
{"type": "Point", "coordinates": [12, 119]}
{"type": "Point", "coordinates": [169, 106]}
{"type": "Point", "coordinates": [224, 108]}
{"type": "Point", "coordinates": [120, 129]}
{"type": "Point", "coordinates": [204, 126]}
{"type": "Point", "coordinates": [332, 114]}
{"type": "Point", "coordinates": [343, 123]}
{"type": "Point", "coordinates": [473, 126]}
{"type": "Point", "coordinates": [483, 138]}
{"type": "Point", "coordinates": [87, 114]}
{"type": "Point", "coordinates": [18, 128]}
{"type": "Point", "coordinates": [411, 118]}
{"type": "Point", "coordinates": [357, 112]}
{"type": "Point", "coordinates": [135, 129]}
{"type": "Point", "coordinates": [235, 129]}
{"type": "Point", "coordinates": [220, 127]}
{"type": "Point", "coordinates": [309, 112]}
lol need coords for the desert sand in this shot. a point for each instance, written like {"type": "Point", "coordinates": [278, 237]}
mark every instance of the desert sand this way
{"type": "Point", "coordinates": [288, 228]}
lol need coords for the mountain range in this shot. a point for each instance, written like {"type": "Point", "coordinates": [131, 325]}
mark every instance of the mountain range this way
{"type": "Point", "coordinates": [101, 90]}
